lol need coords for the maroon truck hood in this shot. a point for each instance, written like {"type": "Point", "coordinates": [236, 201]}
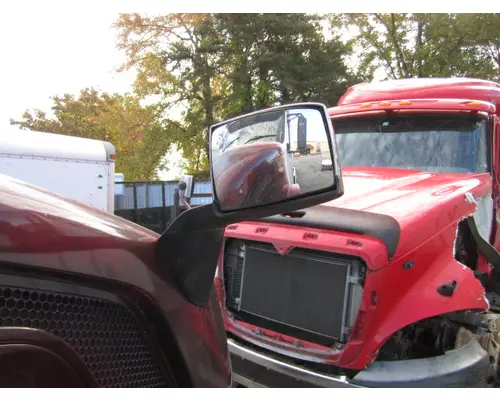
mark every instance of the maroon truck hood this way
{"type": "Point", "coordinates": [421, 202]}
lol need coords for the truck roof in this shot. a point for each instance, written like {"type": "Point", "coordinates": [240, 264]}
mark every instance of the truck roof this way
{"type": "Point", "coordinates": [15, 141]}
{"type": "Point", "coordinates": [423, 88]}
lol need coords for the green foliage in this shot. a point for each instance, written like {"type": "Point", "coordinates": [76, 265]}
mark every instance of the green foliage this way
{"type": "Point", "coordinates": [427, 45]}
{"type": "Point", "coordinates": [174, 58]}
{"type": "Point", "coordinates": [221, 65]}
{"type": "Point", "coordinates": [139, 136]}
{"type": "Point", "coordinates": [281, 58]}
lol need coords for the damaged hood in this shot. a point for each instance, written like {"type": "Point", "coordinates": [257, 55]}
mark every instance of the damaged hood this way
{"type": "Point", "coordinates": [422, 203]}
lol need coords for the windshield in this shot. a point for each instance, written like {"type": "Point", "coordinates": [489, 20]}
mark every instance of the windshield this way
{"type": "Point", "coordinates": [433, 143]}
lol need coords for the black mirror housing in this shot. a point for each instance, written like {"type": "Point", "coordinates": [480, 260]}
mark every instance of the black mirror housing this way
{"type": "Point", "coordinates": [251, 171]}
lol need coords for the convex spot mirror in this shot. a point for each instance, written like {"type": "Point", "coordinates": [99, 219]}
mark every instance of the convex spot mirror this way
{"type": "Point", "coordinates": [274, 156]}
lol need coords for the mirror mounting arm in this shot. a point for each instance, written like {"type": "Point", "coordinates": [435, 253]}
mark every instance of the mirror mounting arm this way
{"type": "Point", "coordinates": [190, 249]}
{"type": "Point", "coordinates": [191, 245]}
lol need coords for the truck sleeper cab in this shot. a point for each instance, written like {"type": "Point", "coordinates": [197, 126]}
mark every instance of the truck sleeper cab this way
{"type": "Point", "coordinates": [395, 284]}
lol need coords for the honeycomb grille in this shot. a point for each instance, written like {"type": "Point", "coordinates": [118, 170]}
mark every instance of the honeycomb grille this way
{"type": "Point", "coordinates": [106, 335]}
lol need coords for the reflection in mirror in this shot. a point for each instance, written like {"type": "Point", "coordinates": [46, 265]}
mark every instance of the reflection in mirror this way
{"type": "Point", "coordinates": [270, 156]}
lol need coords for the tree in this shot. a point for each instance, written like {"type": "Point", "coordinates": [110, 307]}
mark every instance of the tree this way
{"type": "Point", "coordinates": [427, 45]}
{"type": "Point", "coordinates": [174, 56]}
{"type": "Point", "coordinates": [140, 138]}
{"type": "Point", "coordinates": [281, 58]}
{"type": "Point", "coordinates": [219, 65]}
{"type": "Point", "coordinates": [486, 28]}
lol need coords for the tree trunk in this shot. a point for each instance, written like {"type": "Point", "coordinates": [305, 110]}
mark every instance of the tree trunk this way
{"type": "Point", "coordinates": [208, 106]}
{"type": "Point", "coordinates": [246, 86]}
{"type": "Point", "coordinates": [262, 98]}
{"type": "Point", "coordinates": [418, 49]}
{"type": "Point", "coordinates": [285, 95]}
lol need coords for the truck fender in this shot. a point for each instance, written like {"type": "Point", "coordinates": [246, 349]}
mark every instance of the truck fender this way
{"type": "Point", "coordinates": [396, 297]}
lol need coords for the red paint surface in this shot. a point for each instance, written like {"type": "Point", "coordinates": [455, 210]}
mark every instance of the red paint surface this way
{"type": "Point", "coordinates": [421, 202]}
{"type": "Point", "coordinates": [45, 231]}
{"type": "Point", "coordinates": [424, 93]}
{"type": "Point", "coordinates": [372, 250]}
{"type": "Point", "coordinates": [415, 106]}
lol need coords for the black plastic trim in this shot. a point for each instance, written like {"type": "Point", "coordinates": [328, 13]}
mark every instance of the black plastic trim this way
{"type": "Point", "coordinates": [382, 227]}
{"type": "Point", "coordinates": [485, 248]}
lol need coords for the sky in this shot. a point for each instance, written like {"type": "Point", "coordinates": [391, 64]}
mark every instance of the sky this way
{"type": "Point", "coordinates": [51, 54]}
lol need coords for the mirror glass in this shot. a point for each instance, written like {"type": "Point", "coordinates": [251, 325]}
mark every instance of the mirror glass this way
{"type": "Point", "coordinates": [269, 156]}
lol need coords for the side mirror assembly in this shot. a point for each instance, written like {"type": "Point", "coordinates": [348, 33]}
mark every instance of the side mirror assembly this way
{"type": "Point", "coordinates": [251, 174]}
{"type": "Point", "coordinates": [253, 177]}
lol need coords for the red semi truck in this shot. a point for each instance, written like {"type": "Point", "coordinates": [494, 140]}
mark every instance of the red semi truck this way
{"type": "Point", "coordinates": [397, 282]}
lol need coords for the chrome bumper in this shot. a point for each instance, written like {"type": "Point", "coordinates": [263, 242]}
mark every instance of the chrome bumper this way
{"type": "Point", "coordinates": [292, 373]}
{"type": "Point", "coordinates": [467, 366]}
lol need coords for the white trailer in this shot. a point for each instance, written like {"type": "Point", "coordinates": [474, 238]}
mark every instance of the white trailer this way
{"type": "Point", "coordinates": [77, 168]}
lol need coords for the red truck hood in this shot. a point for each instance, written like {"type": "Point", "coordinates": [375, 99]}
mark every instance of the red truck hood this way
{"type": "Point", "coordinates": [422, 203]}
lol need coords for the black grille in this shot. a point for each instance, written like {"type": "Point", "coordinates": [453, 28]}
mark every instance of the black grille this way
{"type": "Point", "coordinates": [106, 334]}
{"type": "Point", "coordinates": [305, 294]}
{"type": "Point", "coordinates": [238, 275]}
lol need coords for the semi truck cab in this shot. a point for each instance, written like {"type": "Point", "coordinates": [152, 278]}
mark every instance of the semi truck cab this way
{"type": "Point", "coordinates": [396, 283]}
